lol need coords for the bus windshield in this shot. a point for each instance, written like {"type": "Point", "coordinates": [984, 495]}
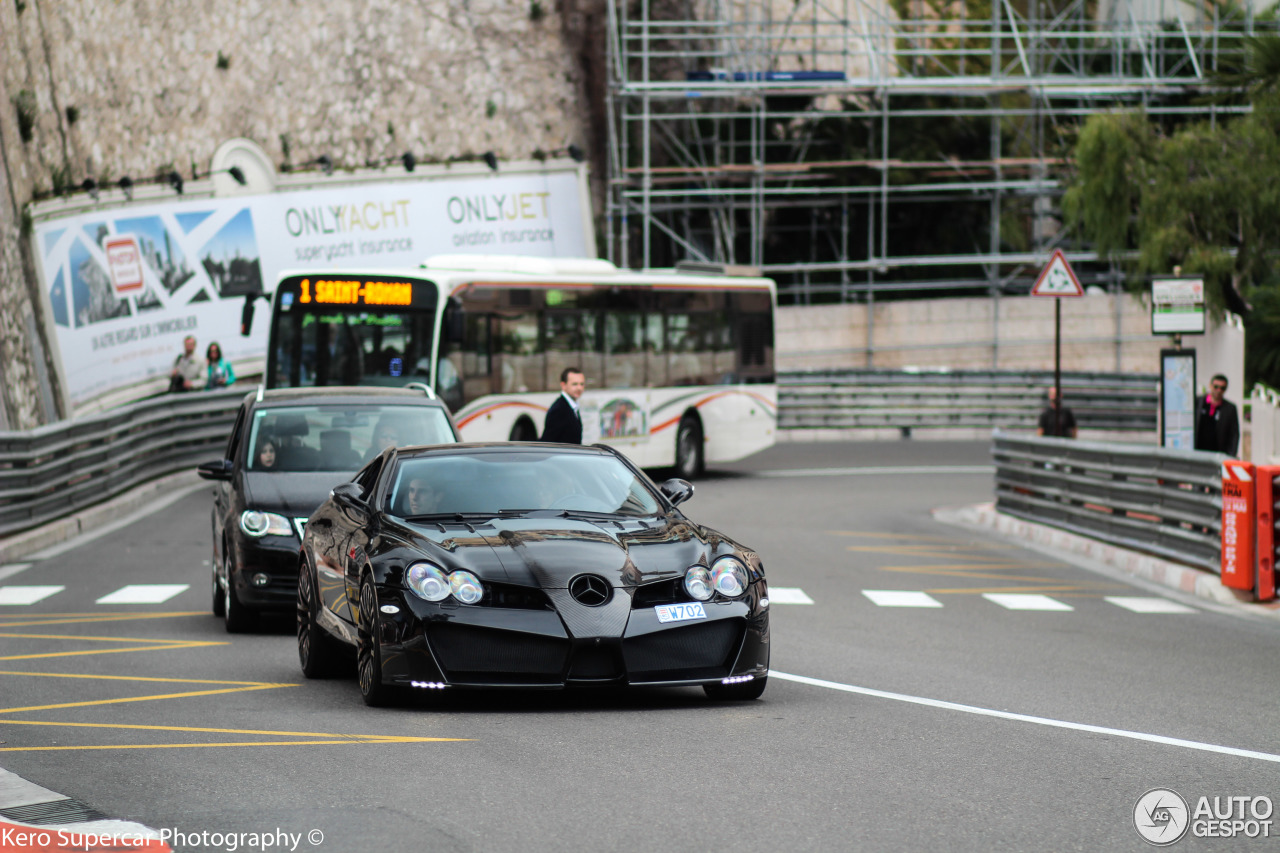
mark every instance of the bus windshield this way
{"type": "Point", "coordinates": [357, 330]}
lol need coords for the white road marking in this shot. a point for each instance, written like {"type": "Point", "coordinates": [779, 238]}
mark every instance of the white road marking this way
{"type": "Point", "coordinates": [144, 593]}
{"type": "Point", "coordinates": [850, 472]}
{"type": "Point", "coordinates": [788, 595]}
{"type": "Point", "coordinates": [901, 598]}
{"type": "Point", "coordinates": [1140, 604]}
{"type": "Point", "coordinates": [1024, 601]}
{"type": "Point", "coordinates": [10, 569]}
{"type": "Point", "coordinates": [1025, 718]}
{"type": "Point", "coordinates": [27, 594]}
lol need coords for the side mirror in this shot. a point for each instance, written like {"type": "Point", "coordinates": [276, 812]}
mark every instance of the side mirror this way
{"type": "Point", "coordinates": [677, 491]}
{"type": "Point", "coordinates": [217, 470]}
{"type": "Point", "coordinates": [454, 321]}
{"type": "Point", "coordinates": [246, 314]}
{"type": "Point", "coordinates": [350, 496]}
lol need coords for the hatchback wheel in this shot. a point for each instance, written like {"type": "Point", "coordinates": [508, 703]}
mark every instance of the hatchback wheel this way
{"type": "Point", "coordinates": [235, 616]}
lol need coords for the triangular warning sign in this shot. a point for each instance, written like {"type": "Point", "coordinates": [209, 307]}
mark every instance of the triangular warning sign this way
{"type": "Point", "coordinates": [1057, 278]}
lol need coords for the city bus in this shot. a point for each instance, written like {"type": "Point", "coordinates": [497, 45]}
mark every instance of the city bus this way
{"type": "Point", "coordinates": [679, 363]}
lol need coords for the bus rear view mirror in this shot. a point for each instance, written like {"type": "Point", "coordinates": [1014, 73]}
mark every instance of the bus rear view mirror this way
{"type": "Point", "coordinates": [246, 314]}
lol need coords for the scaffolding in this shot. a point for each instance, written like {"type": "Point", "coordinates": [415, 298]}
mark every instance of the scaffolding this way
{"type": "Point", "coordinates": [850, 149]}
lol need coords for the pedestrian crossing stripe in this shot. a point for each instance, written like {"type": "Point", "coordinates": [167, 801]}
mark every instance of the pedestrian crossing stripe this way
{"type": "Point", "coordinates": [1025, 601]}
{"type": "Point", "coordinates": [1148, 605]}
{"type": "Point", "coordinates": [144, 593]}
{"type": "Point", "coordinates": [788, 595]}
{"type": "Point", "coordinates": [27, 594]}
{"type": "Point", "coordinates": [901, 598]}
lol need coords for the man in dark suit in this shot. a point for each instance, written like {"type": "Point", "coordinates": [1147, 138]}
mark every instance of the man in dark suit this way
{"type": "Point", "coordinates": [1217, 426]}
{"type": "Point", "coordinates": [564, 421]}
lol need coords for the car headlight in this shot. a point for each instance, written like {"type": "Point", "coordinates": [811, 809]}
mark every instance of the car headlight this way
{"type": "Point", "coordinates": [729, 577]}
{"type": "Point", "coordinates": [697, 582]}
{"type": "Point", "coordinates": [258, 524]}
{"type": "Point", "coordinates": [466, 587]}
{"type": "Point", "coordinates": [427, 581]}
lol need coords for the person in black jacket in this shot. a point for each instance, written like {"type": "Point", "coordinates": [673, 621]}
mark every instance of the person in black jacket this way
{"type": "Point", "coordinates": [564, 421]}
{"type": "Point", "coordinates": [1217, 426]}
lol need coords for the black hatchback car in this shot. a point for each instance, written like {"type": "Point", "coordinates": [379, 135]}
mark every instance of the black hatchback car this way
{"type": "Point", "coordinates": [523, 565]}
{"type": "Point", "coordinates": [287, 450]}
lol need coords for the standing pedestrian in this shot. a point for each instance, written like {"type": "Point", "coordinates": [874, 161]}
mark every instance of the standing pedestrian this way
{"type": "Point", "coordinates": [1217, 426]}
{"type": "Point", "coordinates": [187, 374]}
{"type": "Point", "coordinates": [564, 419]}
{"type": "Point", "coordinates": [219, 374]}
{"type": "Point", "coordinates": [1056, 419]}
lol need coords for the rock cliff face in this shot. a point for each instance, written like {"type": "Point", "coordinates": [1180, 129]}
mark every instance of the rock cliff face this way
{"type": "Point", "coordinates": [140, 87]}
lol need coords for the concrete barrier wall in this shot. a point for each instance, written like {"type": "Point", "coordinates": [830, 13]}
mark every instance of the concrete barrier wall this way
{"type": "Point", "coordinates": [1100, 333]}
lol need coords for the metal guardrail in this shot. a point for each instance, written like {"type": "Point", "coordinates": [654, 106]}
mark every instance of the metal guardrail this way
{"type": "Point", "coordinates": [1166, 502]}
{"type": "Point", "coordinates": [844, 399]}
{"type": "Point", "coordinates": [55, 470]}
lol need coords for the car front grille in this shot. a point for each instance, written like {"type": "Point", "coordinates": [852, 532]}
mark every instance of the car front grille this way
{"type": "Point", "coordinates": [695, 651]}
{"type": "Point", "coordinates": [470, 653]}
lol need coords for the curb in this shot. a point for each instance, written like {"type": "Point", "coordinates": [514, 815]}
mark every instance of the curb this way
{"type": "Point", "coordinates": [1060, 543]}
{"type": "Point", "coordinates": [34, 820]}
{"type": "Point", "coordinates": [19, 545]}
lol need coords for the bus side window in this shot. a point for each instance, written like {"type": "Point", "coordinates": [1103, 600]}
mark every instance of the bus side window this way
{"type": "Point", "coordinates": [624, 357]}
{"type": "Point", "coordinates": [655, 351]}
{"type": "Point", "coordinates": [571, 342]}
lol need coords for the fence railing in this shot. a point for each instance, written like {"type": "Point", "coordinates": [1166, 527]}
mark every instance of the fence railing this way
{"type": "Point", "coordinates": [845, 399]}
{"type": "Point", "coordinates": [55, 470]}
{"type": "Point", "coordinates": [1166, 502]}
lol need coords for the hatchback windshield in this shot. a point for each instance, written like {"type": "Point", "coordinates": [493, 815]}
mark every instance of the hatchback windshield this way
{"type": "Point", "coordinates": [338, 437]}
{"type": "Point", "coordinates": [524, 481]}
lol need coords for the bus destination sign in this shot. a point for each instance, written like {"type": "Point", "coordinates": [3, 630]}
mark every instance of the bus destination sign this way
{"type": "Point", "coordinates": [355, 291]}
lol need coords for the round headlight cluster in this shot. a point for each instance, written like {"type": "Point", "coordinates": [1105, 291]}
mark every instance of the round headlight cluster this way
{"type": "Point", "coordinates": [431, 583]}
{"type": "Point", "coordinates": [726, 576]}
{"type": "Point", "coordinates": [258, 524]}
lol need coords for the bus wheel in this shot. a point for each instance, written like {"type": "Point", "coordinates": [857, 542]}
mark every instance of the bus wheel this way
{"type": "Point", "coordinates": [689, 448]}
{"type": "Point", "coordinates": [523, 431]}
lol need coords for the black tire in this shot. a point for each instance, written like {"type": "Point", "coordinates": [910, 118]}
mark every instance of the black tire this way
{"type": "Point", "coordinates": [689, 448]}
{"type": "Point", "coordinates": [523, 431]}
{"type": "Point", "coordinates": [219, 605]}
{"type": "Point", "coordinates": [318, 653]}
{"type": "Point", "coordinates": [744, 692]}
{"type": "Point", "coordinates": [235, 616]}
{"type": "Point", "coordinates": [369, 650]}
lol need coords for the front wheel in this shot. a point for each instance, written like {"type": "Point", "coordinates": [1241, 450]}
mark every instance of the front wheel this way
{"type": "Point", "coordinates": [369, 649]}
{"type": "Point", "coordinates": [219, 604]}
{"type": "Point", "coordinates": [235, 616]}
{"type": "Point", "coordinates": [523, 431]}
{"type": "Point", "coordinates": [689, 448]}
{"type": "Point", "coordinates": [744, 692]}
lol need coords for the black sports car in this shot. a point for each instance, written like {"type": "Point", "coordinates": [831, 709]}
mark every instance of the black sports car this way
{"type": "Point", "coordinates": [288, 448]}
{"type": "Point", "coordinates": [522, 565]}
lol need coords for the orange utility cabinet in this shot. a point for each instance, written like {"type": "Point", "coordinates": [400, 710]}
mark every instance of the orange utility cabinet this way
{"type": "Point", "coordinates": [1265, 477]}
{"type": "Point", "coordinates": [1238, 521]}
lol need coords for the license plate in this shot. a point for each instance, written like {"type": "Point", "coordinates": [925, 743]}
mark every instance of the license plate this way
{"type": "Point", "coordinates": [680, 612]}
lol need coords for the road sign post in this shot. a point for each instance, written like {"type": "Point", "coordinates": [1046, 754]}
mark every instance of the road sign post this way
{"type": "Point", "coordinates": [1057, 280]}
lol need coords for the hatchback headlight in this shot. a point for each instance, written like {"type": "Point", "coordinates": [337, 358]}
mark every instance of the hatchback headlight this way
{"type": "Point", "coordinates": [427, 581]}
{"type": "Point", "coordinates": [259, 524]}
{"type": "Point", "coordinates": [697, 582]}
{"type": "Point", "coordinates": [729, 577]}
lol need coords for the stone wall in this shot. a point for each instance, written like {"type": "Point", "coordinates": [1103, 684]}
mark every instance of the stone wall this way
{"type": "Point", "coordinates": [140, 87]}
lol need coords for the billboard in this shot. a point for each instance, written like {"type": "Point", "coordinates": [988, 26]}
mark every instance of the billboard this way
{"type": "Point", "coordinates": [126, 285]}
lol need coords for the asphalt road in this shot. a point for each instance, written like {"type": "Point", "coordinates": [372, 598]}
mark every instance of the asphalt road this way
{"type": "Point", "coordinates": [963, 725]}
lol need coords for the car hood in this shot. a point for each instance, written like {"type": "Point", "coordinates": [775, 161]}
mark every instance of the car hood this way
{"type": "Point", "coordinates": [290, 493]}
{"type": "Point", "coordinates": [549, 552]}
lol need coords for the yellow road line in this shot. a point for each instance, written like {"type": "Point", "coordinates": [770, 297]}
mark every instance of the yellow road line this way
{"type": "Point", "coordinates": [83, 618]}
{"type": "Point", "coordinates": [128, 678]}
{"type": "Point", "coordinates": [918, 537]}
{"type": "Point", "coordinates": [86, 652]}
{"type": "Point", "coordinates": [373, 740]}
{"type": "Point", "coordinates": [136, 726]}
{"type": "Point", "coordinates": [144, 698]}
{"type": "Point", "coordinates": [107, 639]}
{"type": "Point", "coordinates": [1020, 589]}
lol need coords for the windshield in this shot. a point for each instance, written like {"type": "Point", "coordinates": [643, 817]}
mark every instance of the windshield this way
{"type": "Point", "coordinates": [518, 482]}
{"type": "Point", "coordinates": [338, 437]}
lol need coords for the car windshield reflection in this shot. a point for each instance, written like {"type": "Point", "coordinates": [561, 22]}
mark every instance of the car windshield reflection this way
{"type": "Point", "coordinates": [527, 483]}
